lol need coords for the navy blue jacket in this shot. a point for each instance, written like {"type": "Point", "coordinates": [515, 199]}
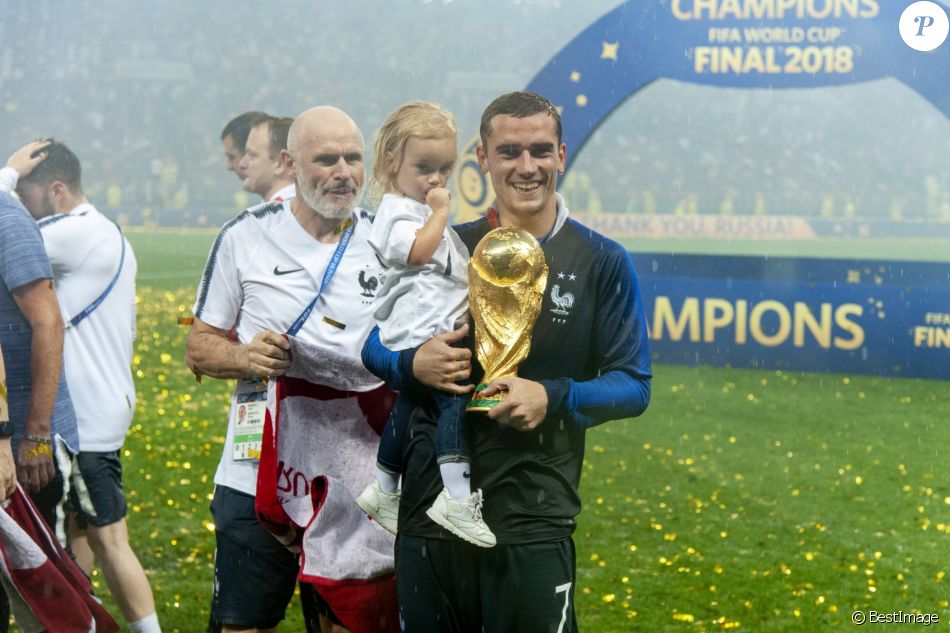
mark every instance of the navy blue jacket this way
{"type": "Point", "coordinates": [590, 352]}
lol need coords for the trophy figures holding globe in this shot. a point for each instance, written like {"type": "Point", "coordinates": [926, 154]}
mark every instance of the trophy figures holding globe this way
{"type": "Point", "coordinates": [507, 277]}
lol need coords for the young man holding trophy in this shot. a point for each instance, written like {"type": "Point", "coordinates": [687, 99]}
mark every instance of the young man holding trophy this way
{"type": "Point", "coordinates": [585, 361]}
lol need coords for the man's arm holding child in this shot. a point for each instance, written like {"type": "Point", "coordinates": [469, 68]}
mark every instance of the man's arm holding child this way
{"type": "Point", "coordinates": [434, 364]}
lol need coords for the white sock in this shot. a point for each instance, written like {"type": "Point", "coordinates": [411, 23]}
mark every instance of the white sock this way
{"type": "Point", "coordinates": [455, 476]}
{"type": "Point", "coordinates": [387, 481]}
{"type": "Point", "coordinates": [148, 624]}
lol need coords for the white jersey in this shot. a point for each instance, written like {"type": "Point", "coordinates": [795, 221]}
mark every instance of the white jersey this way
{"type": "Point", "coordinates": [85, 248]}
{"type": "Point", "coordinates": [284, 193]}
{"type": "Point", "coordinates": [416, 302]}
{"type": "Point", "coordinates": [263, 271]}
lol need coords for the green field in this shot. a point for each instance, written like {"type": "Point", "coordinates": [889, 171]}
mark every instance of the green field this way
{"type": "Point", "coordinates": [172, 258]}
{"type": "Point", "coordinates": [757, 501]}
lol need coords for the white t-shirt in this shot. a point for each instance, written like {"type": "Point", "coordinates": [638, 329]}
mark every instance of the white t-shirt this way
{"type": "Point", "coordinates": [284, 193]}
{"type": "Point", "coordinates": [84, 248]}
{"type": "Point", "coordinates": [416, 302]}
{"type": "Point", "coordinates": [262, 272]}
{"type": "Point", "coordinates": [8, 179]}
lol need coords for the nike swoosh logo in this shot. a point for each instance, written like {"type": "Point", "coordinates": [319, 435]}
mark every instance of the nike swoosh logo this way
{"type": "Point", "coordinates": [277, 271]}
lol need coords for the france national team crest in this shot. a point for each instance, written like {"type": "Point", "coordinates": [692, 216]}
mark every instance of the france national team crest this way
{"type": "Point", "coordinates": [562, 297]}
{"type": "Point", "coordinates": [369, 283]}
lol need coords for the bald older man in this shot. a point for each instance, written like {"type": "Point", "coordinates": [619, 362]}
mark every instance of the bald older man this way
{"type": "Point", "coordinates": [266, 266]}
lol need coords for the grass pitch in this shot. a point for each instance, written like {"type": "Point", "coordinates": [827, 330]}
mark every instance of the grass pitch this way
{"type": "Point", "coordinates": [742, 500]}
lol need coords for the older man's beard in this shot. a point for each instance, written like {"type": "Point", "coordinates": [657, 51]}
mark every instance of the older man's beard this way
{"type": "Point", "coordinates": [323, 207]}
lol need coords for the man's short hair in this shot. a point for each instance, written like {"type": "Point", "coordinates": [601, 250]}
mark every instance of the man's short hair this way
{"type": "Point", "coordinates": [60, 164]}
{"type": "Point", "coordinates": [278, 127]}
{"type": "Point", "coordinates": [519, 105]}
{"type": "Point", "coordinates": [240, 126]}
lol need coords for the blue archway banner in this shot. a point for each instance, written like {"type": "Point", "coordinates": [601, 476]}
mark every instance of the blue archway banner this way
{"type": "Point", "coordinates": [872, 317]}
{"type": "Point", "coordinates": [764, 44]}
{"type": "Point", "coordinates": [768, 44]}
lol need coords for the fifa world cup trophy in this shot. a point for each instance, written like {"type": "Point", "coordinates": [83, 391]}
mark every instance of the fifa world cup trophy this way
{"type": "Point", "coordinates": [507, 276]}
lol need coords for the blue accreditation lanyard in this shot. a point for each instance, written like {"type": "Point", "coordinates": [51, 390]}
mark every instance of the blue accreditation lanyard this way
{"type": "Point", "coordinates": [73, 322]}
{"type": "Point", "coordinates": [327, 276]}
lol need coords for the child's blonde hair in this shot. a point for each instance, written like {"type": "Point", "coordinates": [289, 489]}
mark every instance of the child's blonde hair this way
{"type": "Point", "coordinates": [420, 119]}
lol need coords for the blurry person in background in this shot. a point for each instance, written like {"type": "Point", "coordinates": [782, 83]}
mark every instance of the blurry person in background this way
{"type": "Point", "coordinates": [42, 423]}
{"type": "Point", "coordinates": [234, 139]}
{"type": "Point", "coordinates": [94, 271]}
{"type": "Point", "coordinates": [267, 166]}
{"type": "Point", "coordinates": [41, 410]}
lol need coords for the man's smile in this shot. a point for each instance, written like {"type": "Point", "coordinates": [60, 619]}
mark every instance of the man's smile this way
{"type": "Point", "coordinates": [526, 187]}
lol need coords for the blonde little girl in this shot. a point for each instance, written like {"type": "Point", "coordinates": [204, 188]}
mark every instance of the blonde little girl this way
{"type": "Point", "coordinates": [425, 294]}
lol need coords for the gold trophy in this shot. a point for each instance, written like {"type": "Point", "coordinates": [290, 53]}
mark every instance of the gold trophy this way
{"type": "Point", "coordinates": [507, 276]}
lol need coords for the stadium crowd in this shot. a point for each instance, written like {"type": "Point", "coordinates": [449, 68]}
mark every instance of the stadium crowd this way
{"type": "Point", "coordinates": [142, 117]}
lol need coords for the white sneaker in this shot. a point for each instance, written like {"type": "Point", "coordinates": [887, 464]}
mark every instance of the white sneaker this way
{"type": "Point", "coordinates": [381, 506]}
{"type": "Point", "coordinates": [462, 518]}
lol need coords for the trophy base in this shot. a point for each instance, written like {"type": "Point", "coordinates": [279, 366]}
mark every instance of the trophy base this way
{"type": "Point", "coordinates": [483, 403]}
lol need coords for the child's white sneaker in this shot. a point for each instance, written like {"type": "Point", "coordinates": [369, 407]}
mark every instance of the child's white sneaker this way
{"type": "Point", "coordinates": [462, 518]}
{"type": "Point", "coordinates": [382, 506]}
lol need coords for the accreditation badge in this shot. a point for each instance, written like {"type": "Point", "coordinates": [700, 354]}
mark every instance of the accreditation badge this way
{"type": "Point", "coordinates": [249, 418]}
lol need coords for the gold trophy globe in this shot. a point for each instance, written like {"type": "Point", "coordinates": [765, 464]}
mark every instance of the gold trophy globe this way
{"type": "Point", "coordinates": [507, 276]}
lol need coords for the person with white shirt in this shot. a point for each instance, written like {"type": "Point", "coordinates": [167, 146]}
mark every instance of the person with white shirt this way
{"type": "Point", "coordinates": [267, 171]}
{"type": "Point", "coordinates": [264, 268]}
{"type": "Point", "coordinates": [267, 166]}
{"type": "Point", "coordinates": [94, 273]}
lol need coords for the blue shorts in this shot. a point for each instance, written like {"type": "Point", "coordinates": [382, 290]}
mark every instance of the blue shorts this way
{"type": "Point", "coordinates": [96, 494]}
{"type": "Point", "coordinates": [254, 575]}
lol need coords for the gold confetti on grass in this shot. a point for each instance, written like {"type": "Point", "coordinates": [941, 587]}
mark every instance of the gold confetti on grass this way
{"type": "Point", "coordinates": [722, 482]}
{"type": "Point", "coordinates": [670, 473]}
